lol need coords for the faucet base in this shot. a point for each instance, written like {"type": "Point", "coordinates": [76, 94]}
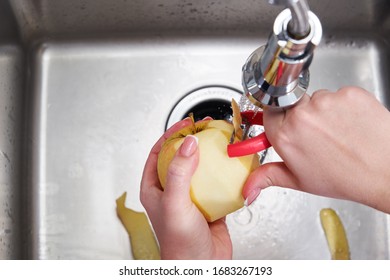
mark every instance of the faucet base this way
{"type": "Point", "coordinates": [262, 94]}
{"type": "Point", "coordinates": [276, 75]}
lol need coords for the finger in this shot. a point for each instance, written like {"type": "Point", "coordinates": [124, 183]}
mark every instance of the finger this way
{"type": "Point", "coordinates": [150, 189]}
{"type": "Point", "coordinates": [150, 184]}
{"type": "Point", "coordinates": [319, 92]}
{"type": "Point", "coordinates": [218, 227]}
{"type": "Point", "coordinates": [275, 119]}
{"type": "Point", "coordinates": [221, 237]}
{"type": "Point", "coordinates": [270, 174]}
{"type": "Point", "coordinates": [151, 162]}
{"type": "Point", "coordinates": [180, 171]}
{"type": "Point", "coordinates": [174, 128]}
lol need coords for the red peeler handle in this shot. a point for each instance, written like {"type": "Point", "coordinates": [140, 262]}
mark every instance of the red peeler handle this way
{"type": "Point", "coordinates": [251, 145]}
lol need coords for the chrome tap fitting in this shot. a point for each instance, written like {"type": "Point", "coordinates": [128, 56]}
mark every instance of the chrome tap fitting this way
{"type": "Point", "coordinates": [277, 75]}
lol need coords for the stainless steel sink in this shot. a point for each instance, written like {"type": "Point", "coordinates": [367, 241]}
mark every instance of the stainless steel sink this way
{"type": "Point", "coordinates": [86, 88]}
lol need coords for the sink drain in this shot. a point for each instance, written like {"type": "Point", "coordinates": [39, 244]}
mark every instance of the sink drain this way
{"type": "Point", "coordinates": [213, 101]}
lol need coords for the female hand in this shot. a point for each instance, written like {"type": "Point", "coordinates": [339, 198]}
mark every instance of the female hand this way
{"type": "Point", "coordinates": [334, 144]}
{"type": "Point", "coordinates": [181, 229]}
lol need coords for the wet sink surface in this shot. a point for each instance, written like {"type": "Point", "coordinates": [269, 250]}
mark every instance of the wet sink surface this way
{"type": "Point", "coordinates": [98, 109]}
{"type": "Point", "coordinates": [94, 108]}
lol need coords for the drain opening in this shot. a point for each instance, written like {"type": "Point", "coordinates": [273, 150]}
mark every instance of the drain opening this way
{"type": "Point", "coordinates": [213, 101]}
{"type": "Point", "coordinates": [217, 109]}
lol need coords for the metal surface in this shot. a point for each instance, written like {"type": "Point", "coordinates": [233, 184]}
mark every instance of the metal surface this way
{"type": "Point", "coordinates": [80, 106]}
{"type": "Point", "coordinates": [277, 75]}
{"type": "Point", "coordinates": [299, 25]}
{"type": "Point", "coordinates": [11, 90]}
{"type": "Point", "coordinates": [12, 78]}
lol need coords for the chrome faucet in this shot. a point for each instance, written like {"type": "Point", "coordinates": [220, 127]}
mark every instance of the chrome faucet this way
{"type": "Point", "coordinates": [276, 75]}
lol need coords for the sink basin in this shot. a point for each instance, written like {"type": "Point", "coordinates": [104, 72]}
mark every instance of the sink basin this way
{"type": "Point", "coordinates": [87, 87]}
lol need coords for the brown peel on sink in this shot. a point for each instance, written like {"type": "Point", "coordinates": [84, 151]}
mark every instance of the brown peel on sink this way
{"type": "Point", "coordinates": [335, 234]}
{"type": "Point", "coordinates": [143, 243]}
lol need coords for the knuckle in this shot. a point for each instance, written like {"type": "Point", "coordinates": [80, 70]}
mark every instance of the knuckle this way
{"type": "Point", "coordinates": [323, 102]}
{"type": "Point", "coordinates": [348, 92]}
{"type": "Point", "coordinates": [176, 170]}
{"type": "Point", "coordinates": [355, 95]}
{"type": "Point", "coordinates": [351, 92]}
{"type": "Point", "coordinates": [268, 170]}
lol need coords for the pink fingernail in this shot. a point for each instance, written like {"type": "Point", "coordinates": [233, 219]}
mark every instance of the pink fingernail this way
{"type": "Point", "coordinates": [252, 196]}
{"type": "Point", "coordinates": [189, 146]}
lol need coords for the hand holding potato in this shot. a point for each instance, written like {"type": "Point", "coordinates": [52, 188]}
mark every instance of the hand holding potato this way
{"type": "Point", "coordinates": [181, 229]}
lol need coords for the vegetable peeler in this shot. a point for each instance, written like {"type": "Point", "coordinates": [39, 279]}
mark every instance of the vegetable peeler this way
{"type": "Point", "coordinates": [249, 145]}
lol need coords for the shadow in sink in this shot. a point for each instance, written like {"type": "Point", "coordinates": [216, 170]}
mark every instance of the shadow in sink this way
{"type": "Point", "coordinates": [12, 82]}
{"type": "Point", "coordinates": [96, 106]}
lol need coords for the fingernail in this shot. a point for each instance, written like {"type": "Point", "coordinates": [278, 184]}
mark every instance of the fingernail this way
{"type": "Point", "coordinates": [252, 196]}
{"type": "Point", "coordinates": [189, 145]}
{"type": "Point", "coordinates": [207, 118]}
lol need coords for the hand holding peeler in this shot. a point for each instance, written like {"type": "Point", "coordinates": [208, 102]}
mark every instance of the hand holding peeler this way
{"type": "Point", "coordinates": [249, 145]}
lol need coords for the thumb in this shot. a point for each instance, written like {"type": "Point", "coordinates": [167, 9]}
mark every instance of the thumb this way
{"type": "Point", "coordinates": [270, 174]}
{"type": "Point", "coordinates": [181, 169]}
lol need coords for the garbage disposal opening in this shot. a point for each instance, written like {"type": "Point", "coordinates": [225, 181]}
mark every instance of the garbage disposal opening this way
{"type": "Point", "coordinates": [210, 101]}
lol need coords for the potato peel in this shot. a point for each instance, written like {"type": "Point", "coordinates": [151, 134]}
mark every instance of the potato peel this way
{"type": "Point", "coordinates": [143, 243]}
{"type": "Point", "coordinates": [237, 121]}
{"type": "Point", "coordinates": [335, 234]}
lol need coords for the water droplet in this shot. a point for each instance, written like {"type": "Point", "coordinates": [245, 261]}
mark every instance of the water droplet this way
{"type": "Point", "coordinates": [243, 216]}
